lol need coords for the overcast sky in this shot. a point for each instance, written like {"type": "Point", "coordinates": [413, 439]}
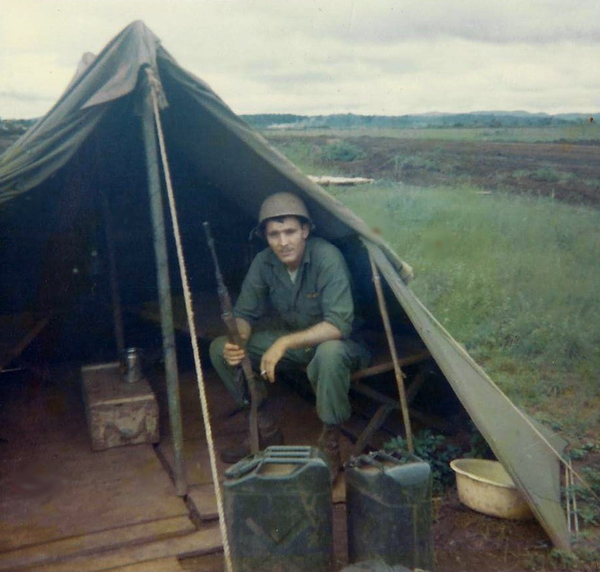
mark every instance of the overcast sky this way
{"type": "Point", "coordinates": [380, 57]}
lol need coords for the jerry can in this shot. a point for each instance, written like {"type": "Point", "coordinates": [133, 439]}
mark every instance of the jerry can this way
{"type": "Point", "coordinates": [389, 510]}
{"type": "Point", "coordinates": [278, 511]}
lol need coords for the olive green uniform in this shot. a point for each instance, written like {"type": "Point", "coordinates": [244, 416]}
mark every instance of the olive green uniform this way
{"type": "Point", "coordinates": [321, 292]}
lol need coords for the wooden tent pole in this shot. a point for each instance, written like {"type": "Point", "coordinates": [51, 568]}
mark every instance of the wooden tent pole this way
{"type": "Point", "coordinates": [114, 280]}
{"type": "Point", "coordinates": [164, 292]}
{"type": "Point", "coordinates": [390, 339]}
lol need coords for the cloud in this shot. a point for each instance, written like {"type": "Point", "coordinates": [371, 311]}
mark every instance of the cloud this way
{"type": "Point", "coordinates": [508, 21]}
{"type": "Point", "coordinates": [24, 96]}
{"type": "Point", "coordinates": [322, 56]}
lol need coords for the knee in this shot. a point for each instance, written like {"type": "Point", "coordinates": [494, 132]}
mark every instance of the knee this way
{"type": "Point", "coordinates": [216, 348]}
{"type": "Point", "coordinates": [331, 351]}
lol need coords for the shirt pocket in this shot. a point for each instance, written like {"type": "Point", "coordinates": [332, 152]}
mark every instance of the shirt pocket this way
{"type": "Point", "coordinates": [312, 304]}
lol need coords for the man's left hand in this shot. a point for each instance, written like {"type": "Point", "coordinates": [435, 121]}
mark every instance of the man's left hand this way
{"type": "Point", "coordinates": [271, 358]}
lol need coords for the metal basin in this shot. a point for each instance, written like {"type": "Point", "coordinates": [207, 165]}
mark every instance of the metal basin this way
{"type": "Point", "coordinates": [486, 487]}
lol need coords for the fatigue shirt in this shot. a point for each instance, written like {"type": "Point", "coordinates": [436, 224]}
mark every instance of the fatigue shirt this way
{"type": "Point", "coordinates": [320, 293]}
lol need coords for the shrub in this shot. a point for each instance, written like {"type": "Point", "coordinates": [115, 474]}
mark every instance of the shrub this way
{"type": "Point", "coordinates": [545, 175]}
{"type": "Point", "coordinates": [341, 151]}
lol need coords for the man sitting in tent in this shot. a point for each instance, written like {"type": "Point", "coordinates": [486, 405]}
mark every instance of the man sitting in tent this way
{"type": "Point", "coordinates": [306, 281]}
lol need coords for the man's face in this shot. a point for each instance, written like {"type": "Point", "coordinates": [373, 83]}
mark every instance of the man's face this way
{"type": "Point", "coordinates": [287, 240]}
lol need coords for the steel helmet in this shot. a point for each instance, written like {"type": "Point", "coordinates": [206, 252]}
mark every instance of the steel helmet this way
{"type": "Point", "coordinates": [283, 204]}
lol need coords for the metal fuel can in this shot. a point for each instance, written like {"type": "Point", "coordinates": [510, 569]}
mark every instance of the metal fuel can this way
{"type": "Point", "coordinates": [389, 509]}
{"type": "Point", "coordinates": [278, 511]}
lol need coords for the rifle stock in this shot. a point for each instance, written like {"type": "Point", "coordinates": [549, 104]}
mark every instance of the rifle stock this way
{"type": "Point", "coordinates": [234, 337]}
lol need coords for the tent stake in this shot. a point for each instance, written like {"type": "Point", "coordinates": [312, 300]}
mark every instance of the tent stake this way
{"type": "Point", "coordinates": [164, 292]}
{"type": "Point", "coordinates": [568, 498]}
{"type": "Point", "coordinates": [574, 499]}
{"type": "Point", "coordinates": [390, 339]}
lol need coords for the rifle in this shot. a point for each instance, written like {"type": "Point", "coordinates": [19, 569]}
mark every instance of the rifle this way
{"type": "Point", "coordinates": [234, 337]}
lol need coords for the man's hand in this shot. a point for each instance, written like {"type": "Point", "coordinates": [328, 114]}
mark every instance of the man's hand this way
{"type": "Point", "coordinates": [233, 354]}
{"type": "Point", "coordinates": [271, 358]}
{"type": "Point", "coordinates": [309, 338]}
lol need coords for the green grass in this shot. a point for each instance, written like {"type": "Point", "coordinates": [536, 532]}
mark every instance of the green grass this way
{"type": "Point", "coordinates": [314, 159]}
{"type": "Point", "coordinates": [574, 133]}
{"type": "Point", "coordinates": [515, 279]}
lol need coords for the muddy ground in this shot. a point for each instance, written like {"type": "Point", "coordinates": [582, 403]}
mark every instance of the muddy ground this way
{"type": "Point", "coordinates": [566, 171]}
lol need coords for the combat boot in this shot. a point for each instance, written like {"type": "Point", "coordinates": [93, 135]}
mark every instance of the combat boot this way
{"type": "Point", "coordinates": [329, 443]}
{"type": "Point", "coordinates": [269, 433]}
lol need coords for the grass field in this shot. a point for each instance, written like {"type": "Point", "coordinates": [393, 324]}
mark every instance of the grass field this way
{"type": "Point", "coordinates": [586, 132]}
{"type": "Point", "coordinates": [514, 279]}
{"type": "Point", "coordinates": [512, 276]}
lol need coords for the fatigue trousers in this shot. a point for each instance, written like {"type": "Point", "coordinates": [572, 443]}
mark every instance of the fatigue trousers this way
{"type": "Point", "coordinates": [328, 367]}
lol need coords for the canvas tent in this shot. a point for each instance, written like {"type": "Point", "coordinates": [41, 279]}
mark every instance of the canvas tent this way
{"type": "Point", "coordinates": [97, 137]}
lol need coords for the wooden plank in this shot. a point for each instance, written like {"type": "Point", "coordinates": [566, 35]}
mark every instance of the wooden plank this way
{"type": "Point", "coordinates": [79, 492]}
{"type": "Point", "coordinates": [169, 564]}
{"type": "Point", "coordinates": [326, 180]}
{"type": "Point", "coordinates": [356, 425]}
{"type": "Point", "coordinates": [206, 563]}
{"type": "Point", "coordinates": [387, 365]}
{"type": "Point", "coordinates": [374, 424]}
{"type": "Point", "coordinates": [416, 385]}
{"type": "Point", "coordinates": [14, 350]}
{"type": "Point", "coordinates": [89, 543]}
{"type": "Point", "coordinates": [200, 542]}
{"type": "Point", "coordinates": [197, 457]}
{"type": "Point", "coordinates": [203, 501]}
{"type": "Point", "coordinates": [433, 420]}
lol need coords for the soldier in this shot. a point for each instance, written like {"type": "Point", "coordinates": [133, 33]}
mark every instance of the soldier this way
{"type": "Point", "coordinates": [306, 280]}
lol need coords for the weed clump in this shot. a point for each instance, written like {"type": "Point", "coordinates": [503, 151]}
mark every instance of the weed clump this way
{"type": "Point", "coordinates": [341, 151]}
{"type": "Point", "coordinates": [438, 450]}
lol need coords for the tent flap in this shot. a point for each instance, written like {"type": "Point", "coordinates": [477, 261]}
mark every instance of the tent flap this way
{"type": "Point", "coordinates": [533, 466]}
{"type": "Point", "coordinates": [55, 138]}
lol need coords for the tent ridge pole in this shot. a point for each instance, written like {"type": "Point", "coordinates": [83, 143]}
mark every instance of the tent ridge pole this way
{"type": "Point", "coordinates": [164, 291]}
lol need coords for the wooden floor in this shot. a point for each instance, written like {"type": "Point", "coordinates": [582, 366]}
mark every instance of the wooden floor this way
{"type": "Point", "coordinates": [66, 508]}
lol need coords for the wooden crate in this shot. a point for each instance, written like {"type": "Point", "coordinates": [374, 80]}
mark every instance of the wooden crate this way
{"type": "Point", "coordinates": [118, 413]}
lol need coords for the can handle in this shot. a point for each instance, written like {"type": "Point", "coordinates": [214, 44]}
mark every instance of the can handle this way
{"type": "Point", "coordinates": [372, 459]}
{"type": "Point", "coordinates": [284, 460]}
{"type": "Point", "coordinates": [242, 467]}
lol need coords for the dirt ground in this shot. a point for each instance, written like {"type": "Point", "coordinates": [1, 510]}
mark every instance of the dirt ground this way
{"type": "Point", "coordinates": [566, 171]}
{"type": "Point", "coordinates": [468, 541]}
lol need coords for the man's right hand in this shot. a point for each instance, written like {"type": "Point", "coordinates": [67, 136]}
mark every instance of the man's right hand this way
{"type": "Point", "coordinates": [233, 354]}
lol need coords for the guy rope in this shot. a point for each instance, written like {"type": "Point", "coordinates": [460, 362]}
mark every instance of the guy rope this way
{"type": "Point", "coordinates": [156, 92]}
